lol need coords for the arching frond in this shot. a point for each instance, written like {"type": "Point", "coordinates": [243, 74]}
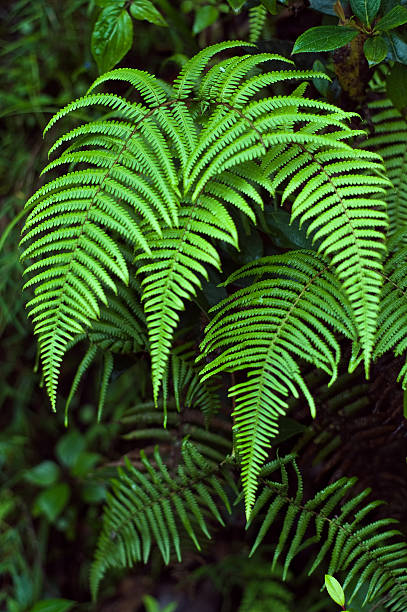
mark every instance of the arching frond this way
{"type": "Point", "coordinates": [287, 314]}
{"type": "Point", "coordinates": [165, 175]}
{"type": "Point", "coordinates": [152, 505]}
{"type": "Point", "coordinates": [370, 553]}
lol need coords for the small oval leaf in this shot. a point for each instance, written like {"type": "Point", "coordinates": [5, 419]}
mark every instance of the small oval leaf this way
{"type": "Point", "coordinates": [324, 38]}
{"type": "Point", "coordinates": [335, 590]}
{"type": "Point", "coordinates": [204, 17]}
{"type": "Point", "coordinates": [375, 49]}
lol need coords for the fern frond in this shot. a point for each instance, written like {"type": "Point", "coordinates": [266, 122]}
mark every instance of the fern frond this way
{"type": "Point", "coordinates": [154, 505]}
{"type": "Point", "coordinates": [179, 259]}
{"type": "Point", "coordinates": [257, 19]}
{"type": "Point", "coordinates": [165, 174]}
{"type": "Point", "coordinates": [389, 138]}
{"type": "Point", "coordinates": [120, 329]}
{"type": "Point", "coordinates": [391, 332]}
{"type": "Point", "coordinates": [189, 76]}
{"type": "Point", "coordinates": [75, 258]}
{"type": "Point", "coordinates": [332, 189]}
{"type": "Point", "coordinates": [264, 329]}
{"type": "Point", "coordinates": [369, 553]}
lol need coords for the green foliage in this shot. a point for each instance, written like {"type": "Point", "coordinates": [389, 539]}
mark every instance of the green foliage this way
{"type": "Point", "coordinates": [183, 199]}
{"type": "Point", "coordinates": [156, 508]}
{"type": "Point", "coordinates": [324, 38]}
{"type": "Point", "coordinates": [162, 188]}
{"type": "Point", "coordinates": [289, 312]}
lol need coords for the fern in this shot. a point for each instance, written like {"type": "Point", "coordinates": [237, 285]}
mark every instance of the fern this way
{"type": "Point", "coordinates": [165, 175]}
{"type": "Point", "coordinates": [264, 329]}
{"type": "Point", "coordinates": [120, 329]}
{"type": "Point", "coordinates": [257, 19]}
{"type": "Point", "coordinates": [153, 505]}
{"type": "Point", "coordinates": [391, 330]}
{"type": "Point", "coordinates": [370, 553]}
{"type": "Point", "coordinates": [389, 138]}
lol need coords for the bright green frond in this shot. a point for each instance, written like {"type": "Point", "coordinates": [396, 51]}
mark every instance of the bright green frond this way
{"type": "Point", "coordinates": [287, 314]}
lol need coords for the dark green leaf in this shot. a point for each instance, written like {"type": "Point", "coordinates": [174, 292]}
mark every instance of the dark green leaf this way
{"type": "Point", "coordinates": [286, 235]}
{"type": "Point", "coordinates": [375, 49]}
{"type": "Point", "coordinates": [326, 6]}
{"type": "Point", "coordinates": [53, 605]}
{"type": "Point", "coordinates": [365, 10]}
{"type": "Point", "coordinates": [85, 463]}
{"type": "Point", "coordinates": [396, 17]}
{"type": "Point", "coordinates": [396, 87]}
{"type": "Point", "coordinates": [146, 11]}
{"type": "Point", "coordinates": [387, 5]}
{"type": "Point", "coordinates": [335, 590]}
{"type": "Point", "coordinates": [204, 17]}
{"type": "Point", "coordinates": [236, 5]}
{"type": "Point", "coordinates": [93, 493]}
{"type": "Point", "coordinates": [105, 3]}
{"type": "Point", "coordinates": [324, 38]}
{"type": "Point", "coordinates": [397, 48]}
{"type": "Point", "coordinates": [112, 37]}
{"type": "Point", "coordinates": [271, 6]}
{"type": "Point", "coordinates": [44, 474]}
{"type": "Point", "coordinates": [69, 447]}
{"type": "Point", "coordinates": [52, 501]}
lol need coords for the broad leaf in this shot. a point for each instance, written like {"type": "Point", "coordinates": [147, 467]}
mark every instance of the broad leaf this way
{"type": "Point", "coordinates": [236, 5]}
{"type": "Point", "coordinates": [365, 10]}
{"type": "Point", "coordinates": [270, 5]}
{"type": "Point", "coordinates": [326, 6]}
{"type": "Point", "coordinates": [204, 17]}
{"type": "Point", "coordinates": [375, 49]}
{"type": "Point", "coordinates": [44, 474]}
{"type": "Point", "coordinates": [397, 48]}
{"type": "Point", "coordinates": [52, 501]}
{"type": "Point", "coordinates": [396, 86]}
{"type": "Point", "coordinates": [324, 38]}
{"type": "Point", "coordinates": [112, 37]}
{"type": "Point", "coordinates": [146, 11]}
{"type": "Point", "coordinates": [395, 18]}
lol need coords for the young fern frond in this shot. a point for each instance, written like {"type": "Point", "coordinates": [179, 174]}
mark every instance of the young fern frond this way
{"type": "Point", "coordinates": [287, 314]}
{"type": "Point", "coordinates": [389, 138]}
{"type": "Point", "coordinates": [154, 505]}
{"type": "Point", "coordinates": [368, 553]}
